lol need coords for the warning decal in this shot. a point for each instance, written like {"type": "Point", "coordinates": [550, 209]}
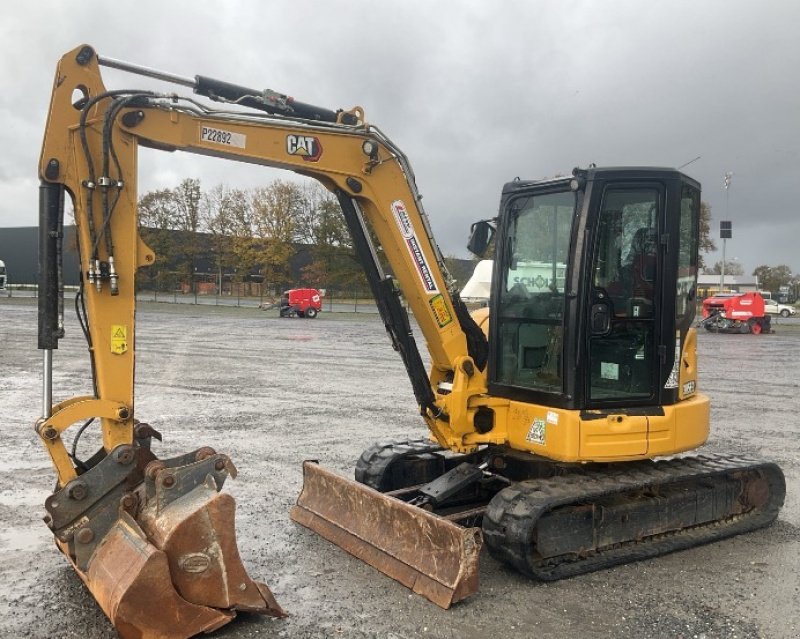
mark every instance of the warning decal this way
{"type": "Point", "coordinates": [119, 338]}
{"type": "Point", "coordinates": [440, 310]}
{"type": "Point", "coordinates": [403, 221]}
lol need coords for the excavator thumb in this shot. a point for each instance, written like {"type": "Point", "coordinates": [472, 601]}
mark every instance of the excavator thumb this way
{"type": "Point", "coordinates": [436, 558]}
{"type": "Point", "coordinates": [155, 543]}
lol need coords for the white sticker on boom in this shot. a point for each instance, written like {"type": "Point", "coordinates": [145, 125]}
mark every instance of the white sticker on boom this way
{"type": "Point", "coordinates": [220, 136]}
{"type": "Point", "coordinates": [403, 221]}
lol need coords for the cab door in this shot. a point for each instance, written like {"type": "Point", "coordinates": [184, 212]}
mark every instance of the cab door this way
{"type": "Point", "coordinates": [625, 297]}
{"type": "Point", "coordinates": [624, 306]}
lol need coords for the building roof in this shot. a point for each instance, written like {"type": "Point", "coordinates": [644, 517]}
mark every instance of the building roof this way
{"type": "Point", "coordinates": [730, 280]}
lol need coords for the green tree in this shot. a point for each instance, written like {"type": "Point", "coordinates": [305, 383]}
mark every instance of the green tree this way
{"type": "Point", "coordinates": [275, 212]}
{"type": "Point", "coordinates": [323, 227]}
{"type": "Point", "coordinates": [156, 210]}
{"type": "Point", "coordinates": [187, 197]}
{"type": "Point", "coordinates": [706, 241]}
{"type": "Point", "coordinates": [169, 220]}
{"type": "Point", "coordinates": [771, 278]}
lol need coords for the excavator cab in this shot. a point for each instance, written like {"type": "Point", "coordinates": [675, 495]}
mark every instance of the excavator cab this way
{"type": "Point", "coordinates": [590, 302]}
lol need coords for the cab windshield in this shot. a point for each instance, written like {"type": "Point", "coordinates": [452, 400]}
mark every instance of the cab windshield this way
{"type": "Point", "coordinates": [532, 295]}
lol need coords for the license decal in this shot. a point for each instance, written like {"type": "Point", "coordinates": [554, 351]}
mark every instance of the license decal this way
{"type": "Point", "coordinates": [440, 310]}
{"type": "Point", "coordinates": [307, 147]}
{"type": "Point", "coordinates": [403, 221]}
{"type": "Point", "coordinates": [689, 388]}
{"type": "Point", "coordinates": [220, 136]}
{"type": "Point", "coordinates": [536, 433]}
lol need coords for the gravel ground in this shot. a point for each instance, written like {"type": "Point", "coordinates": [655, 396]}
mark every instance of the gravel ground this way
{"type": "Point", "coordinates": [272, 392]}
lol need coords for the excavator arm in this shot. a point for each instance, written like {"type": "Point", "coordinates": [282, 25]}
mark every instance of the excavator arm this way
{"type": "Point", "coordinates": [125, 501]}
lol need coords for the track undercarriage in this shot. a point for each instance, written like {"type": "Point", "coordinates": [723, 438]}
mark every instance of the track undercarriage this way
{"type": "Point", "coordinates": [550, 520]}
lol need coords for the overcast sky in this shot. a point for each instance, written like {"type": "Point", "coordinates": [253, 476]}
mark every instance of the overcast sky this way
{"type": "Point", "coordinates": [475, 93]}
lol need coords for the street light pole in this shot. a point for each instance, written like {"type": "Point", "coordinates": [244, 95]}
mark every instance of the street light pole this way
{"type": "Point", "coordinates": [723, 234]}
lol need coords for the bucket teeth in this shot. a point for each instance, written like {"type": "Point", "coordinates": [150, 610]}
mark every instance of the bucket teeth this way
{"type": "Point", "coordinates": [436, 558]}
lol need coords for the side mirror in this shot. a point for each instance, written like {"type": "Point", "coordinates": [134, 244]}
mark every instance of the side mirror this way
{"type": "Point", "coordinates": [481, 235]}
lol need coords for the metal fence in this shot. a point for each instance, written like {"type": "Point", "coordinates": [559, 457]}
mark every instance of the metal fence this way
{"type": "Point", "coordinates": [334, 301]}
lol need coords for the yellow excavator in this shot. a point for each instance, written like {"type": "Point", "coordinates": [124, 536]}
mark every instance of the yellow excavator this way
{"type": "Point", "coordinates": [544, 422]}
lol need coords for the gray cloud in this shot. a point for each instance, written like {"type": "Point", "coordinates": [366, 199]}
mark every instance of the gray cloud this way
{"type": "Point", "coordinates": [475, 93]}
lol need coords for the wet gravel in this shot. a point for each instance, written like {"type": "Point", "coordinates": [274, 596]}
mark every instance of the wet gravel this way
{"type": "Point", "coordinates": [272, 392]}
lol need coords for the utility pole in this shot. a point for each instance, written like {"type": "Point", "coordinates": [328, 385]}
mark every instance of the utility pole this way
{"type": "Point", "coordinates": [725, 229]}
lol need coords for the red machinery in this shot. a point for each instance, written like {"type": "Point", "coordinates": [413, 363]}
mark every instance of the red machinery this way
{"type": "Point", "coordinates": [302, 302]}
{"type": "Point", "coordinates": [736, 313]}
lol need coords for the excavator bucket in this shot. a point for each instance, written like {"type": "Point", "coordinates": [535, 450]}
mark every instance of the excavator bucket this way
{"type": "Point", "coordinates": [130, 579]}
{"type": "Point", "coordinates": [159, 556]}
{"type": "Point", "coordinates": [436, 558]}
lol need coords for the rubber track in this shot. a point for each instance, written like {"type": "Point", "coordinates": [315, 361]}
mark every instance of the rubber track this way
{"type": "Point", "coordinates": [509, 523]}
{"type": "Point", "coordinates": [374, 461]}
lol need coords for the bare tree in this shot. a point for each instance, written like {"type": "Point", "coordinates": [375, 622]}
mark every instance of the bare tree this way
{"type": "Point", "coordinates": [731, 268]}
{"type": "Point", "coordinates": [217, 218]}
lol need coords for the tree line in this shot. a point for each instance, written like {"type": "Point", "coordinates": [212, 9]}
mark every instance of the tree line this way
{"type": "Point", "coordinates": [258, 233]}
{"type": "Point", "coordinates": [250, 233]}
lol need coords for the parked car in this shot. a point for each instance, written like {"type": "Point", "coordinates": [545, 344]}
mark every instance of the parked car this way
{"type": "Point", "coordinates": [773, 307]}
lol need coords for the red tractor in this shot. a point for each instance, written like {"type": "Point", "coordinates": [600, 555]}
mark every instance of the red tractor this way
{"type": "Point", "coordinates": [736, 313]}
{"type": "Point", "coordinates": [301, 302]}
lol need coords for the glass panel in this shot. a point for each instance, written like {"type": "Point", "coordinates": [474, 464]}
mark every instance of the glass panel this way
{"type": "Point", "coordinates": [624, 276]}
{"type": "Point", "coordinates": [622, 362]}
{"type": "Point", "coordinates": [532, 296]}
{"type": "Point", "coordinates": [687, 252]}
{"type": "Point", "coordinates": [625, 266]}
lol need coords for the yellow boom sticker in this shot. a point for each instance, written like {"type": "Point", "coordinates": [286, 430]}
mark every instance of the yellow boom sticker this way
{"type": "Point", "coordinates": [440, 310]}
{"type": "Point", "coordinates": [119, 339]}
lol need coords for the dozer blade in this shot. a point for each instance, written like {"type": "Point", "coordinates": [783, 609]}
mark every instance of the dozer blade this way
{"type": "Point", "coordinates": [157, 549]}
{"type": "Point", "coordinates": [431, 555]}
